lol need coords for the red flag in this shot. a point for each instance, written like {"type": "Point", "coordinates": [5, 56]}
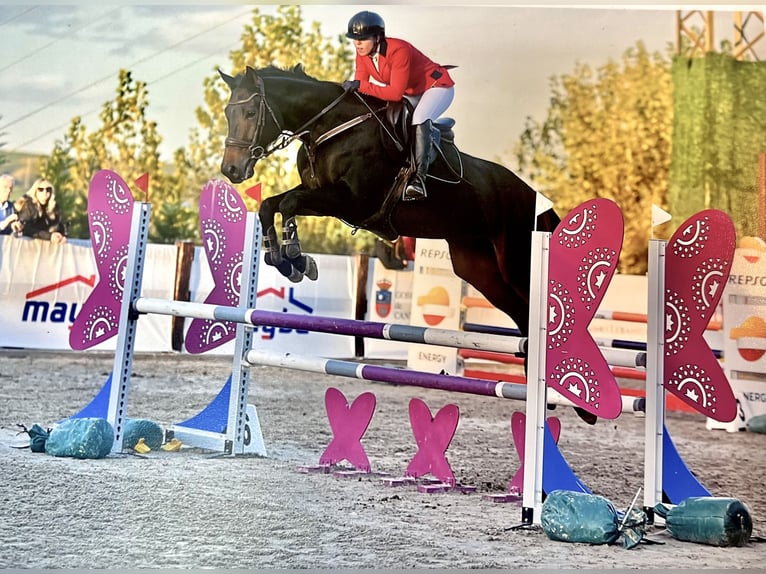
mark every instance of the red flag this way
{"type": "Point", "coordinates": [142, 183]}
{"type": "Point", "coordinates": [254, 192]}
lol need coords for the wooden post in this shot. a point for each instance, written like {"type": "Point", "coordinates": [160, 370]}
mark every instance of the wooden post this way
{"type": "Point", "coordinates": [184, 259]}
{"type": "Point", "coordinates": [360, 313]}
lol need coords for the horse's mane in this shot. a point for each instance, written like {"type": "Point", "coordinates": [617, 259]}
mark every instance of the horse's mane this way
{"type": "Point", "coordinates": [296, 72]}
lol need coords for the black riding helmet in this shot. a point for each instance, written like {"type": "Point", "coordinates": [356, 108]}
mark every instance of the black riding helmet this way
{"type": "Point", "coordinates": [365, 25]}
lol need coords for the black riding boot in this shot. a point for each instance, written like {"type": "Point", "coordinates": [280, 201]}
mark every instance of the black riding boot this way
{"type": "Point", "coordinates": [416, 187]}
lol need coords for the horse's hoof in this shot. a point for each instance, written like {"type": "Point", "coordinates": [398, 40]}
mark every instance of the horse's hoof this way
{"type": "Point", "coordinates": [272, 258]}
{"type": "Point", "coordinates": [589, 418]}
{"type": "Point", "coordinates": [296, 276]}
{"type": "Point", "coordinates": [311, 271]}
{"type": "Point", "coordinates": [291, 250]}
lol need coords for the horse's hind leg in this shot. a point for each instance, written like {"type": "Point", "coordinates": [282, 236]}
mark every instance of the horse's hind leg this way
{"type": "Point", "coordinates": [476, 263]}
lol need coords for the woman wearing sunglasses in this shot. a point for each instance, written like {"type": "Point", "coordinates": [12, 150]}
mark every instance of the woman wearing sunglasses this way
{"type": "Point", "coordinates": [39, 213]}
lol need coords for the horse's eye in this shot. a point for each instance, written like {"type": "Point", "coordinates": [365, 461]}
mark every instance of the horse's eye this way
{"type": "Point", "coordinates": [250, 114]}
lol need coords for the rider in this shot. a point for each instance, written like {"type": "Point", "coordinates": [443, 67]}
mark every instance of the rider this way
{"type": "Point", "coordinates": [391, 69]}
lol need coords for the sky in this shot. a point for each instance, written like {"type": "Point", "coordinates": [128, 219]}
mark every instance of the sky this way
{"type": "Point", "coordinates": [61, 61]}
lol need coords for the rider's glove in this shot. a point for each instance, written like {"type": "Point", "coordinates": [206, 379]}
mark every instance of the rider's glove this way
{"type": "Point", "coordinates": [351, 85]}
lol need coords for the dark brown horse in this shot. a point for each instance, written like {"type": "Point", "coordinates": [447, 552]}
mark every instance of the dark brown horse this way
{"type": "Point", "coordinates": [348, 164]}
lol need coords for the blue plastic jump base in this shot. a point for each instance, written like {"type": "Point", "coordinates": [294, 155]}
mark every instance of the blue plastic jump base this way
{"type": "Point", "coordinates": [214, 416]}
{"type": "Point", "coordinates": [557, 474]}
{"type": "Point", "coordinates": [99, 406]}
{"type": "Point", "coordinates": [678, 482]}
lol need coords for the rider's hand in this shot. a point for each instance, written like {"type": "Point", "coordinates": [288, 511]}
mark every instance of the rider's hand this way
{"type": "Point", "coordinates": [351, 85]}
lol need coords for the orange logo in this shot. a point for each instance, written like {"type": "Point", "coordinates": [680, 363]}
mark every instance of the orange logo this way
{"type": "Point", "coordinates": [751, 338]}
{"type": "Point", "coordinates": [752, 248]}
{"type": "Point", "coordinates": [435, 305]}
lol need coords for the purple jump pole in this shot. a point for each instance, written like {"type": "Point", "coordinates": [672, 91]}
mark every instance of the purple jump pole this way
{"type": "Point", "coordinates": [393, 375]}
{"type": "Point", "coordinates": [334, 325]}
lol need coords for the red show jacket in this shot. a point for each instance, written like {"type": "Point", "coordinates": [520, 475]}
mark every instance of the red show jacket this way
{"type": "Point", "coordinates": [403, 69]}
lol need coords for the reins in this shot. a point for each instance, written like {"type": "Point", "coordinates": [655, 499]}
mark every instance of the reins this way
{"type": "Point", "coordinates": [285, 138]}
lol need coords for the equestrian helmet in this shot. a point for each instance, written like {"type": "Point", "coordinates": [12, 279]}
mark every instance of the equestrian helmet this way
{"type": "Point", "coordinates": [364, 25]}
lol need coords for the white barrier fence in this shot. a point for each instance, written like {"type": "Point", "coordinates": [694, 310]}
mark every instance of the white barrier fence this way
{"type": "Point", "coordinates": [43, 287]}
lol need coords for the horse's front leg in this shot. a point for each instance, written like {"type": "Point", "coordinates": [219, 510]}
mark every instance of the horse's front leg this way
{"type": "Point", "coordinates": [291, 250]}
{"type": "Point", "coordinates": [325, 201]}
{"type": "Point", "coordinates": [272, 252]}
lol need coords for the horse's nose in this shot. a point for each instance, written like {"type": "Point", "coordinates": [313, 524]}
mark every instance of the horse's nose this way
{"type": "Point", "coordinates": [230, 170]}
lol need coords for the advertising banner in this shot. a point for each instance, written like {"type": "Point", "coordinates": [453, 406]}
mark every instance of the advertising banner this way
{"type": "Point", "coordinates": [332, 295]}
{"type": "Point", "coordinates": [744, 332]}
{"type": "Point", "coordinates": [43, 287]}
{"type": "Point", "coordinates": [436, 296]}
{"type": "Point", "coordinates": [389, 301]}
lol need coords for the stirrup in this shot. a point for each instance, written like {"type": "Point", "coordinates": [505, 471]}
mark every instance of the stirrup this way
{"type": "Point", "coordinates": [414, 191]}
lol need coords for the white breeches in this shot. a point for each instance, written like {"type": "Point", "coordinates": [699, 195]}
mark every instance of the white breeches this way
{"type": "Point", "coordinates": [431, 104]}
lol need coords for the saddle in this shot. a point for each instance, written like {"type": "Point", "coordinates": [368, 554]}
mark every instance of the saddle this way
{"type": "Point", "coordinates": [398, 119]}
{"type": "Point", "coordinates": [396, 131]}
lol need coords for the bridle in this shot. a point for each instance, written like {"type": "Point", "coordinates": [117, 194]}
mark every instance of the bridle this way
{"type": "Point", "coordinates": [285, 137]}
{"type": "Point", "coordinates": [256, 150]}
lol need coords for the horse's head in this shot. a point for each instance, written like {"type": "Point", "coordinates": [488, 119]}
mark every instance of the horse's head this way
{"type": "Point", "coordinates": [251, 122]}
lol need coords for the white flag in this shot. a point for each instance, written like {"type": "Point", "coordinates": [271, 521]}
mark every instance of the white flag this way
{"type": "Point", "coordinates": [542, 204]}
{"type": "Point", "coordinates": [659, 216]}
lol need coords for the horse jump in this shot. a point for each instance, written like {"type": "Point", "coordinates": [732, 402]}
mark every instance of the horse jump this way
{"type": "Point", "coordinates": [134, 304]}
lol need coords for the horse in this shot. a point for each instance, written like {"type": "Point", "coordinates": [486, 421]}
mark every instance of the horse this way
{"type": "Point", "coordinates": [349, 160]}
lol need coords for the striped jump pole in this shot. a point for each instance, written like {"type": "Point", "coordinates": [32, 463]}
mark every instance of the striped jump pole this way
{"type": "Point", "coordinates": [393, 375]}
{"type": "Point", "coordinates": [603, 342]}
{"type": "Point", "coordinates": [630, 371]}
{"type": "Point", "coordinates": [606, 314]}
{"type": "Point", "coordinates": [334, 325]}
{"type": "Point", "coordinates": [409, 377]}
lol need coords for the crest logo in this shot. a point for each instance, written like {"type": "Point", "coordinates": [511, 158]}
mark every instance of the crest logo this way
{"type": "Point", "coordinates": [383, 298]}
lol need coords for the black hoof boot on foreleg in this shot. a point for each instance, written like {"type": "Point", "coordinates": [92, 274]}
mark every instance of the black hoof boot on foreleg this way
{"type": "Point", "coordinates": [291, 251]}
{"type": "Point", "coordinates": [273, 257]}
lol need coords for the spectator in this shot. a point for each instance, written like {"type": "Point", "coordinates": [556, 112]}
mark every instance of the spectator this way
{"type": "Point", "coordinates": [39, 213]}
{"type": "Point", "coordinates": [9, 219]}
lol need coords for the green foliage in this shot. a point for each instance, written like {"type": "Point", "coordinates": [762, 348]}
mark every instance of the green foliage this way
{"type": "Point", "coordinates": [718, 132]}
{"type": "Point", "coordinates": [607, 134]}
{"type": "Point", "coordinates": [127, 142]}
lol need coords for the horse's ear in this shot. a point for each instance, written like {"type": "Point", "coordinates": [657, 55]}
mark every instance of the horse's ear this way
{"type": "Point", "coordinates": [226, 78]}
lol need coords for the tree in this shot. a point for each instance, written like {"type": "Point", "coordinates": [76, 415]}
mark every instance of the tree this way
{"type": "Point", "coordinates": [607, 134]}
{"type": "Point", "coordinates": [126, 142]}
{"type": "Point", "coordinates": [281, 39]}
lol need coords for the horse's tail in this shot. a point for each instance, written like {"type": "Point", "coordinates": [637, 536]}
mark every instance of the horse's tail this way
{"type": "Point", "coordinates": [548, 220]}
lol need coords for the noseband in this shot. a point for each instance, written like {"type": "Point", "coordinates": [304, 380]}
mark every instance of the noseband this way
{"type": "Point", "coordinates": [256, 150]}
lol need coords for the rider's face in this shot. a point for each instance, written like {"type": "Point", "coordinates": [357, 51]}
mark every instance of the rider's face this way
{"type": "Point", "coordinates": [364, 47]}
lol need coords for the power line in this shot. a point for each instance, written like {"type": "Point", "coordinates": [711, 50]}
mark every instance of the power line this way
{"type": "Point", "coordinates": [49, 44]}
{"type": "Point", "coordinates": [17, 16]}
{"type": "Point", "coordinates": [103, 79]}
{"type": "Point", "coordinates": [150, 83]}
